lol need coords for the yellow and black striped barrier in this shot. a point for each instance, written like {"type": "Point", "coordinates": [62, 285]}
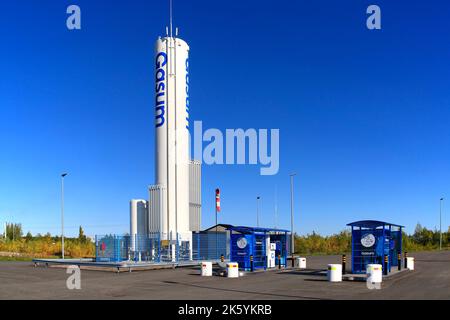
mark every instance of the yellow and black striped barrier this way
{"type": "Point", "coordinates": [344, 261]}
{"type": "Point", "coordinates": [386, 261]}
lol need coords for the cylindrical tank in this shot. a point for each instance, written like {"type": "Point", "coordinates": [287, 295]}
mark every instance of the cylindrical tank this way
{"type": "Point", "coordinates": [138, 222]}
{"type": "Point", "coordinates": [374, 273]}
{"type": "Point", "coordinates": [334, 272]}
{"type": "Point", "coordinates": [195, 195]}
{"type": "Point", "coordinates": [172, 135]}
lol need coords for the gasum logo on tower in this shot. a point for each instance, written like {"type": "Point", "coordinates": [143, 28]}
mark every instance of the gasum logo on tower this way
{"type": "Point", "coordinates": [160, 99]}
{"type": "Point", "coordinates": [187, 93]}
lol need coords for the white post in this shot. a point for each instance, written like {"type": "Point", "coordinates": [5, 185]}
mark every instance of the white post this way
{"type": "Point", "coordinates": [62, 214]}
{"type": "Point", "coordinates": [292, 216]}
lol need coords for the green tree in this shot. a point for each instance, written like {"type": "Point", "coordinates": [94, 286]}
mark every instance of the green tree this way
{"type": "Point", "coordinates": [81, 236]}
{"type": "Point", "coordinates": [13, 231]}
{"type": "Point", "coordinates": [29, 236]}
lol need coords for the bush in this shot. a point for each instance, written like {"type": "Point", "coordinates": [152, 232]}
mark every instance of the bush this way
{"type": "Point", "coordinates": [46, 247]}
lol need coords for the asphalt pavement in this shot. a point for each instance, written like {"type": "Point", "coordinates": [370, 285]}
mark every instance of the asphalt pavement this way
{"type": "Point", "coordinates": [429, 280]}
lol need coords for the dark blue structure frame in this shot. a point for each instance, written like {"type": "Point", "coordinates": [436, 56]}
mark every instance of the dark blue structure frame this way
{"type": "Point", "coordinates": [388, 241]}
{"type": "Point", "coordinates": [256, 246]}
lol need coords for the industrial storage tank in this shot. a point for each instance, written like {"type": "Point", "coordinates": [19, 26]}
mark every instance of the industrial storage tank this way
{"type": "Point", "coordinates": [195, 195]}
{"type": "Point", "coordinates": [157, 196]}
{"type": "Point", "coordinates": [138, 223]}
{"type": "Point", "coordinates": [172, 133]}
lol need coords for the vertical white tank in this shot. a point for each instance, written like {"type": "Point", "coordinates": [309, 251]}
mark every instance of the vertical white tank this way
{"type": "Point", "coordinates": [172, 136]}
{"type": "Point", "coordinates": [195, 195]}
{"type": "Point", "coordinates": [157, 195]}
{"type": "Point", "coordinates": [138, 221]}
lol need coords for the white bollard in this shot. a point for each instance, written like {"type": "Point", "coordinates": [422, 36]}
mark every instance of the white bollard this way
{"type": "Point", "coordinates": [334, 272]}
{"type": "Point", "coordinates": [206, 269]}
{"type": "Point", "coordinates": [232, 270]}
{"type": "Point", "coordinates": [374, 273]}
{"type": "Point", "coordinates": [300, 263]}
{"type": "Point", "coordinates": [410, 261]}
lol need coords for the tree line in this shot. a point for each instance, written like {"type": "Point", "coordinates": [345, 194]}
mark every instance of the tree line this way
{"type": "Point", "coordinates": [46, 245]}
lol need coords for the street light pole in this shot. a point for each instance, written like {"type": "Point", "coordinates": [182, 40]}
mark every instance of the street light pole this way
{"type": "Point", "coordinates": [440, 223]}
{"type": "Point", "coordinates": [292, 215]}
{"type": "Point", "coordinates": [62, 214]}
{"type": "Point", "coordinates": [257, 211]}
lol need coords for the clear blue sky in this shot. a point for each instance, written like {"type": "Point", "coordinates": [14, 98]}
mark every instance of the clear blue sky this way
{"type": "Point", "coordinates": [364, 116]}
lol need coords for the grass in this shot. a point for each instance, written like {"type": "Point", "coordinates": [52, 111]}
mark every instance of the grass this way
{"type": "Point", "coordinates": [24, 258]}
{"type": "Point", "coordinates": [45, 247]}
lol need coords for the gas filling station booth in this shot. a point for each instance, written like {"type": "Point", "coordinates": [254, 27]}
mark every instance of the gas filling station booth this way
{"type": "Point", "coordinates": [373, 240]}
{"type": "Point", "coordinates": [258, 248]}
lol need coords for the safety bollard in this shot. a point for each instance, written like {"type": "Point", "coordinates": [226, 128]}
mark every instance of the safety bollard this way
{"type": "Point", "coordinates": [251, 263]}
{"type": "Point", "coordinates": [399, 261]}
{"type": "Point", "coordinates": [279, 261]}
{"type": "Point", "coordinates": [222, 258]}
{"type": "Point", "coordinates": [293, 262]}
{"type": "Point", "coordinates": [406, 260]}
{"type": "Point", "coordinates": [386, 260]}
{"type": "Point", "coordinates": [344, 260]}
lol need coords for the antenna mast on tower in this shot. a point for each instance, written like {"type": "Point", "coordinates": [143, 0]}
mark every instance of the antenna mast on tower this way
{"type": "Point", "coordinates": [171, 17]}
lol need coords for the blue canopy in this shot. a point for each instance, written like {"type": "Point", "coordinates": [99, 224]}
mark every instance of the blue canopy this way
{"type": "Point", "coordinates": [255, 229]}
{"type": "Point", "coordinates": [372, 224]}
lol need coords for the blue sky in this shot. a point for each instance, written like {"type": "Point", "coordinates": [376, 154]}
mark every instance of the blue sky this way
{"type": "Point", "coordinates": [363, 115]}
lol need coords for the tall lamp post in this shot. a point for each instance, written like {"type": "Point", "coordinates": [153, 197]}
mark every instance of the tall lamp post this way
{"type": "Point", "coordinates": [440, 223]}
{"type": "Point", "coordinates": [217, 210]}
{"type": "Point", "coordinates": [62, 213]}
{"type": "Point", "coordinates": [257, 211]}
{"type": "Point", "coordinates": [292, 216]}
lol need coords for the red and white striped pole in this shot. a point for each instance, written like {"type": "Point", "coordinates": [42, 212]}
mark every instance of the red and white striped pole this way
{"type": "Point", "coordinates": [217, 200]}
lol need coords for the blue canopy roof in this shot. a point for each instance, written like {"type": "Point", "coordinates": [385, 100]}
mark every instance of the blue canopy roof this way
{"type": "Point", "coordinates": [256, 229]}
{"type": "Point", "coordinates": [372, 224]}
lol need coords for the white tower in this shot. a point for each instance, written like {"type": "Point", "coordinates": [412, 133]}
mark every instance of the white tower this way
{"type": "Point", "coordinates": [171, 191]}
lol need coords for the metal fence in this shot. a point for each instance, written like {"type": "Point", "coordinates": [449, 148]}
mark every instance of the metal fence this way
{"type": "Point", "coordinates": [209, 245]}
{"type": "Point", "coordinates": [156, 248]}
{"type": "Point", "coordinates": [111, 248]}
{"type": "Point", "coordinates": [116, 248]}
